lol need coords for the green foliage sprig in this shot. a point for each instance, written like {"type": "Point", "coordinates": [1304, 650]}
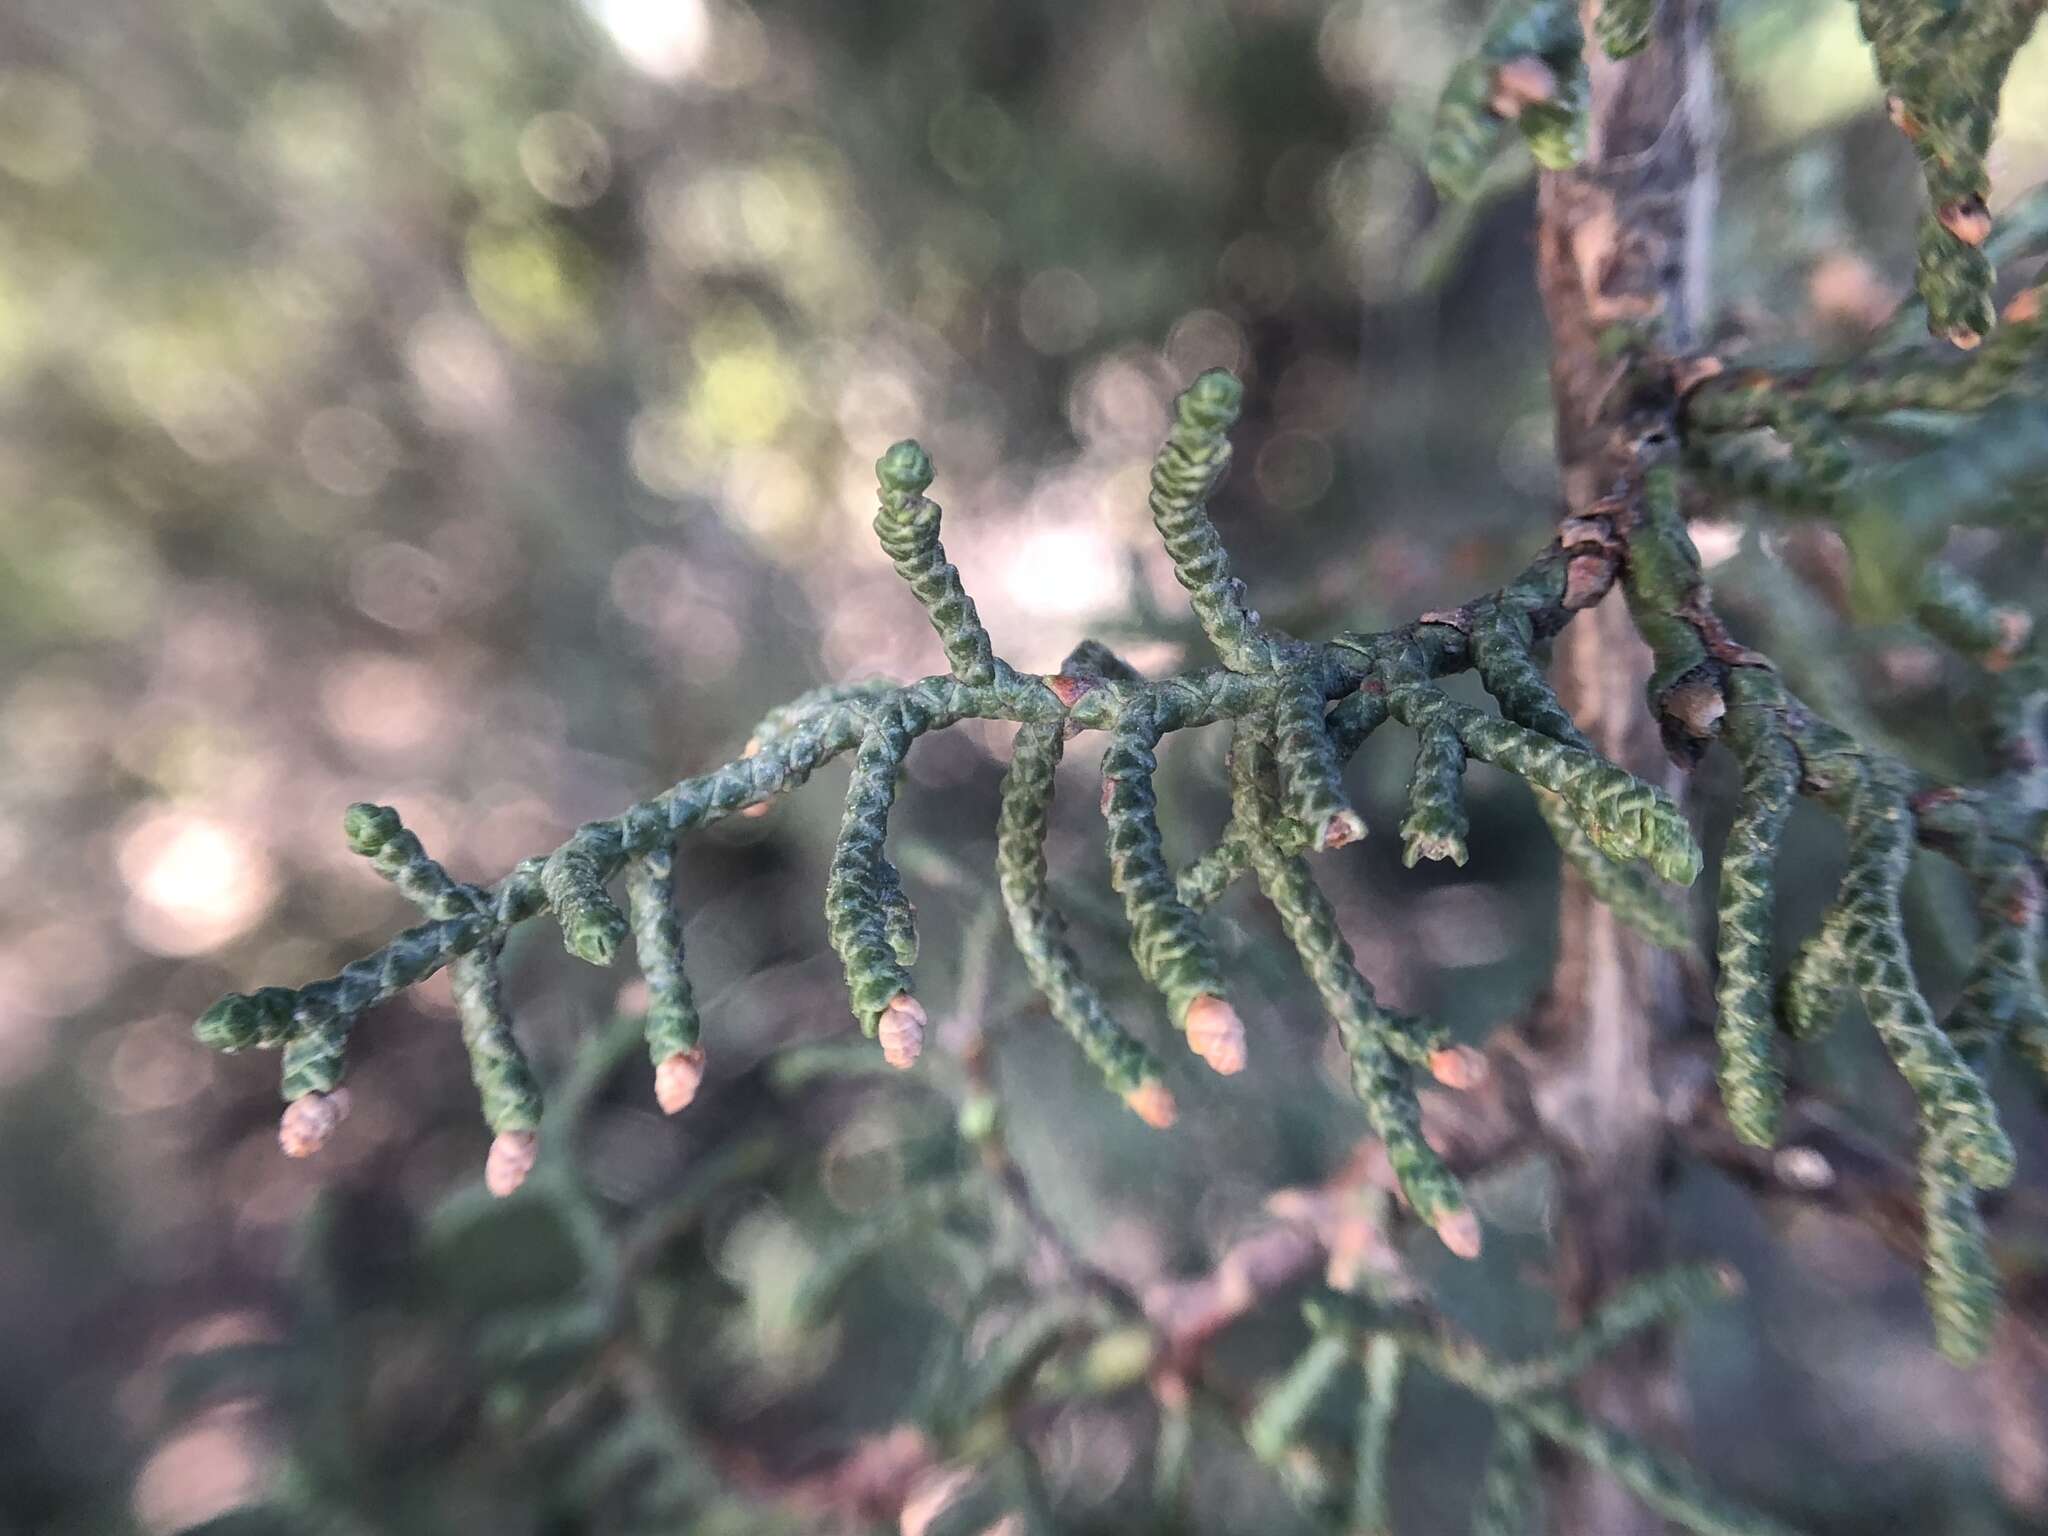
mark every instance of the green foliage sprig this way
{"type": "Point", "coordinates": [1530, 71]}
{"type": "Point", "coordinates": [1526, 1397]}
{"type": "Point", "coordinates": [1943, 67]}
{"type": "Point", "coordinates": [1298, 711]}
{"type": "Point", "coordinates": [1289, 802]}
{"type": "Point", "coordinates": [1789, 439]}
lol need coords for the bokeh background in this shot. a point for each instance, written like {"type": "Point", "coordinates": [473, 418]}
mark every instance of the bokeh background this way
{"type": "Point", "coordinates": [472, 407]}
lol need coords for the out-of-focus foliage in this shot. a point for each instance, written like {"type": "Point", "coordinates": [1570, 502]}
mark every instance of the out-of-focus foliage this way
{"type": "Point", "coordinates": [470, 407]}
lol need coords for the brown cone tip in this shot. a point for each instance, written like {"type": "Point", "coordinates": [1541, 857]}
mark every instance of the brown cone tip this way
{"type": "Point", "coordinates": [901, 1030]}
{"type": "Point", "coordinates": [1216, 1034]}
{"type": "Point", "coordinates": [308, 1121]}
{"type": "Point", "coordinates": [1152, 1103]}
{"type": "Point", "coordinates": [1459, 1231]}
{"type": "Point", "coordinates": [510, 1160]}
{"type": "Point", "coordinates": [1343, 829]}
{"type": "Point", "coordinates": [677, 1079]}
{"type": "Point", "coordinates": [1458, 1066]}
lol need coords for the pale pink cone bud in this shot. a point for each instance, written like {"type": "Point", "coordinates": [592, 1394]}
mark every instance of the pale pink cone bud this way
{"type": "Point", "coordinates": [1152, 1103]}
{"type": "Point", "coordinates": [308, 1121]}
{"type": "Point", "coordinates": [1963, 339]}
{"type": "Point", "coordinates": [511, 1159]}
{"type": "Point", "coordinates": [1459, 1232]}
{"type": "Point", "coordinates": [1458, 1066]}
{"type": "Point", "coordinates": [677, 1079]}
{"type": "Point", "coordinates": [1969, 220]}
{"type": "Point", "coordinates": [1343, 829]}
{"type": "Point", "coordinates": [1520, 84]}
{"type": "Point", "coordinates": [2024, 307]}
{"type": "Point", "coordinates": [901, 1030]}
{"type": "Point", "coordinates": [1216, 1034]}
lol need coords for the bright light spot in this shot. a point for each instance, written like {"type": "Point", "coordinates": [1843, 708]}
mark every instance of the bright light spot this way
{"type": "Point", "coordinates": [743, 396]}
{"type": "Point", "coordinates": [193, 883]}
{"type": "Point", "coordinates": [1716, 539]}
{"type": "Point", "coordinates": [1064, 572]}
{"type": "Point", "coordinates": [664, 38]}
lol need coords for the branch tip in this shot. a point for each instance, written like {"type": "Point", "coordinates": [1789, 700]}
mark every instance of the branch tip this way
{"type": "Point", "coordinates": [677, 1079]}
{"type": "Point", "coordinates": [309, 1120]}
{"type": "Point", "coordinates": [1341, 830]}
{"type": "Point", "coordinates": [1216, 1034]}
{"type": "Point", "coordinates": [901, 1031]}
{"type": "Point", "coordinates": [1967, 219]}
{"type": "Point", "coordinates": [1458, 1230]}
{"type": "Point", "coordinates": [510, 1160]}
{"type": "Point", "coordinates": [1458, 1066]}
{"type": "Point", "coordinates": [905, 470]}
{"type": "Point", "coordinates": [1152, 1102]}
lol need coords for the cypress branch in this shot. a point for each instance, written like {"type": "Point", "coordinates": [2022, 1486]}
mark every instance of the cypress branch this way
{"type": "Point", "coordinates": [1037, 925]}
{"type": "Point", "coordinates": [1286, 797]}
{"type": "Point", "coordinates": [908, 526]}
{"type": "Point", "coordinates": [671, 1025]}
{"type": "Point", "coordinates": [1371, 1511]}
{"type": "Point", "coordinates": [1510, 1491]}
{"type": "Point", "coordinates": [1167, 940]}
{"type": "Point", "coordinates": [1745, 1025]}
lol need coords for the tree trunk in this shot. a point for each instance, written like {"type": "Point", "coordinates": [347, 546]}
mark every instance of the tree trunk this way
{"type": "Point", "coordinates": [1621, 242]}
